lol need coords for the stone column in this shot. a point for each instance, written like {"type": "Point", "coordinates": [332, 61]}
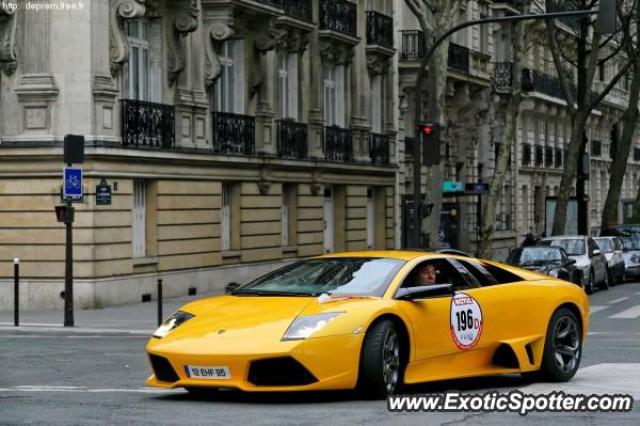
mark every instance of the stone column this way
{"type": "Point", "coordinates": [315, 90]}
{"type": "Point", "coordinates": [360, 88]}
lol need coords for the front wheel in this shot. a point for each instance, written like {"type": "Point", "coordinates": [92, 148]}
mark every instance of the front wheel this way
{"type": "Point", "coordinates": [380, 361]}
{"type": "Point", "coordinates": [604, 285]}
{"type": "Point", "coordinates": [562, 348]}
{"type": "Point", "coordinates": [588, 287]}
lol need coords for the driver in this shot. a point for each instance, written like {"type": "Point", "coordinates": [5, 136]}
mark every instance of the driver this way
{"type": "Point", "coordinates": [427, 274]}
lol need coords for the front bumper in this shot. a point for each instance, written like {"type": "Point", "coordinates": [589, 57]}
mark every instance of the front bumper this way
{"type": "Point", "coordinates": [632, 272]}
{"type": "Point", "coordinates": [332, 361]}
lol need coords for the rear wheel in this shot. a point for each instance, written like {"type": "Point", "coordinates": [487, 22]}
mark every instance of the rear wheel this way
{"type": "Point", "coordinates": [380, 361]}
{"type": "Point", "coordinates": [562, 348]}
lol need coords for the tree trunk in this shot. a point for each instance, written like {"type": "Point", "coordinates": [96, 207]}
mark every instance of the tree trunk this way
{"type": "Point", "coordinates": [621, 157]}
{"type": "Point", "coordinates": [569, 173]}
{"type": "Point", "coordinates": [635, 218]}
{"type": "Point", "coordinates": [489, 211]}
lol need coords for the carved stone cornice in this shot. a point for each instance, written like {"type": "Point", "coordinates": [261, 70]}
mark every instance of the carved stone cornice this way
{"type": "Point", "coordinates": [185, 21]}
{"type": "Point", "coordinates": [119, 12]}
{"type": "Point", "coordinates": [292, 40]}
{"type": "Point", "coordinates": [8, 58]}
{"type": "Point", "coordinates": [377, 64]}
{"type": "Point", "coordinates": [336, 53]}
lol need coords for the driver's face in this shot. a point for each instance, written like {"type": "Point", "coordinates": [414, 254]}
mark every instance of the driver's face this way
{"type": "Point", "coordinates": [428, 275]}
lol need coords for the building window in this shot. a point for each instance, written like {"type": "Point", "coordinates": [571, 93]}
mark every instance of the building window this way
{"type": "Point", "coordinates": [225, 218]}
{"type": "Point", "coordinates": [334, 95]}
{"type": "Point", "coordinates": [139, 219]}
{"type": "Point", "coordinates": [376, 104]}
{"type": "Point", "coordinates": [371, 220]}
{"type": "Point", "coordinates": [596, 148]}
{"type": "Point", "coordinates": [288, 85]}
{"type": "Point", "coordinates": [526, 154]}
{"type": "Point", "coordinates": [228, 95]}
{"type": "Point", "coordinates": [137, 76]}
{"type": "Point", "coordinates": [288, 215]}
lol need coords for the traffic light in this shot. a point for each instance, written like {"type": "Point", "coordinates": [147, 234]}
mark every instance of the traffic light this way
{"type": "Point", "coordinates": [430, 142]}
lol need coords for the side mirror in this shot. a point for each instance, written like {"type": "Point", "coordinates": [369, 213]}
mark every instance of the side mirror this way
{"type": "Point", "coordinates": [571, 261]}
{"type": "Point", "coordinates": [230, 287]}
{"type": "Point", "coordinates": [425, 292]}
{"type": "Point", "coordinates": [596, 252]}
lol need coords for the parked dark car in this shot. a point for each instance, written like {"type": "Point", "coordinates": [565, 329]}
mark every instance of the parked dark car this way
{"type": "Point", "coordinates": [631, 255]}
{"type": "Point", "coordinates": [550, 260]}
{"type": "Point", "coordinates": [626, 230]}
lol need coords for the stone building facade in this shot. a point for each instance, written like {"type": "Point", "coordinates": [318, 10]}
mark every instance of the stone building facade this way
{"type": "Point", "coordinates": [236, 136]}
{"type": "Point", "coordinates": [479, 71]}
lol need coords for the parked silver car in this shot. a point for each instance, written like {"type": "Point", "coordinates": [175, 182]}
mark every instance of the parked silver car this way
{"type": "Point", "coordinates": [589, 259]}
{"type": "Point", "coordinates": [631, 255]}
{"type": "Point", "coordinates": [612, 249]}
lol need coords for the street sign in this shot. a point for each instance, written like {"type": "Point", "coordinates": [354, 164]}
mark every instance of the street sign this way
{"type": "Point", "coordinates": [72, 184]}
{"type": "Point", "coordinates": [477, 187]}
{"type": "Point", "coordinates": [103, 193]}
{"type": "Point", "coordinates": [452, 186]}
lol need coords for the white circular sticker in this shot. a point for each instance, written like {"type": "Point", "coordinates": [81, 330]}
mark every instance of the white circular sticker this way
{"type": "Point", "coordinates": [466, 321]}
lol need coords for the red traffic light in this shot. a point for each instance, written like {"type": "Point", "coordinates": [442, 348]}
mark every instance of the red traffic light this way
{"type": "Point", "coordinates": [426, 129]}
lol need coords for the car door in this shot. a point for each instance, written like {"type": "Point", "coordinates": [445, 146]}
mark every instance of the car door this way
{"type": "Point", "coordinates": [598, 261]}
{"type": "Point", "coordinates": [431, 318]}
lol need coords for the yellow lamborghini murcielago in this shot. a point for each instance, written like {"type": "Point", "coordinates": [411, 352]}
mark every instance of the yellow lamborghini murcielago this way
{"type": "Point", "coordinates": [368, 320]}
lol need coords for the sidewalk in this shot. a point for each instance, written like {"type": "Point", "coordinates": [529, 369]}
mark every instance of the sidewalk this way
{"type": "Point", "coordinates": [140, 318]}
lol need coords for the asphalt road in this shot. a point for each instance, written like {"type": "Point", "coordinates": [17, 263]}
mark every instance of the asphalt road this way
{"type": "Point", "coordinates": [61, 377]}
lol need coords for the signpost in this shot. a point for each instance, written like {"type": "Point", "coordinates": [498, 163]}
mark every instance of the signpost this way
{"type": "Point", "coordinates": [72, 191]}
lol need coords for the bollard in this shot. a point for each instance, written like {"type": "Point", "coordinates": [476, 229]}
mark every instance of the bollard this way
{"type": "Point", "coordinates": [159, 301]}
{"type": "Point", "coordinates": [16, 292]}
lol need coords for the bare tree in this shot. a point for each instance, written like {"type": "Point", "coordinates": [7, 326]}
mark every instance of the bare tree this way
{"type": "Point", "coordinates": [629, 122]}
{"type": "Point", "coordinates": [584, 58]}
{"type": "Point", "coordinates": [435, 17]}
{"type": "Point", "coordinates": [510, 105]}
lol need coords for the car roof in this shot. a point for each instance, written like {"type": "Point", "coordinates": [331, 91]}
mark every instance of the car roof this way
{"type": "Point", "coordinates": [389, 254]}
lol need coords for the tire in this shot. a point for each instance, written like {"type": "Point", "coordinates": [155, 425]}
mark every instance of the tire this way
{"type": "Point", "coordinates": [588, 287]}
{"type": "Point", "coordinates": [381, 366]}
{"type": "Point", "coordinates": [562, 347]}
{"type": "Point", "coordinates": [604, 285]}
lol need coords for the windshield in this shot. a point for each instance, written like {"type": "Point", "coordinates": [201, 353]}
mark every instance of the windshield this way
{"type": "Point", "coordinates": [537, 256]}
{"type": "Point", "coordinates": [573, 247]}
{"type": "Point", "coordinates": [604, 244]}
{"type": "Point", "coordinates": [630, 244]}
{"type": "Point", "coordinates": [336, 276]}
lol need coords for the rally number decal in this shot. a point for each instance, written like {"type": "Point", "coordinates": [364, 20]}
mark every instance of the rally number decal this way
{"type": "Point", "coordinates": [466, 321]}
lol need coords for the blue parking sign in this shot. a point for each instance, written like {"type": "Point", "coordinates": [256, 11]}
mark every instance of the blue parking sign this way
{"type": "Point", "coordinates": [72, 185]}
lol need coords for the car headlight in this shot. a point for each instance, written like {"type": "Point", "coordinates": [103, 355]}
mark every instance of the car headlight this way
{"type": "Point", "coordinates": [174, 320]}
{"type": "Point", "coordinates": [304, 326]}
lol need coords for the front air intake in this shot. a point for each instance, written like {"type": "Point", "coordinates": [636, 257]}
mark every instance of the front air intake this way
{"type": "Point", "coordinates": [162, 369]}
{"type": "Point", "coordinates": [279, 372]}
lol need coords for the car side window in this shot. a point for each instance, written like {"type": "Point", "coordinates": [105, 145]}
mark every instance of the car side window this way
{"type": "Point", "coordinates": [480, 273]}
{"type": "Point", "coordinates": [502, 276]}
{"type": "Point", "coordinates": [446, 272]}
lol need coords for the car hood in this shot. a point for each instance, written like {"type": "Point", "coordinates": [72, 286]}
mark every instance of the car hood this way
{"type": "Point", "coordinates": [247, 322]}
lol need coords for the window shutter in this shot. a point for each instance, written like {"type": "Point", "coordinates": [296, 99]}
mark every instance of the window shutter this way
{"type": "Point", "coordinates": [155, 60]}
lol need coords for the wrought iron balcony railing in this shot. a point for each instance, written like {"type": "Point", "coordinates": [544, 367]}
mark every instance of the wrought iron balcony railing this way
{"type": "Point", "coordinates": [548, 156]}
{"type": "Point", "coordinates": [234, 134]}
{"type": "Point", "coordinates": [413, 45]}
{"type": "Point", "coordinates": [339, 15]}
{"type": "Point", "coordinates": [147, 124]}
{"type": "Point", "coordinates": [458, 58]}
{"type": "Point", "coordinates": [299, 9]}
{"type": "Point", "coordinates": [526, 154]}
{"type": "Point", "coordinates": [338, 144]}
{"type": "Point", "coordinates": [558, 158]}
{"type": "Point", "coordinates": [379, 149]}
{"type": "Point", "coordinates": [292, 139]}
{"type": "Point", "coordinates": [539, 155]}
{"type": "Point", "coordinates": [379, 29]}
